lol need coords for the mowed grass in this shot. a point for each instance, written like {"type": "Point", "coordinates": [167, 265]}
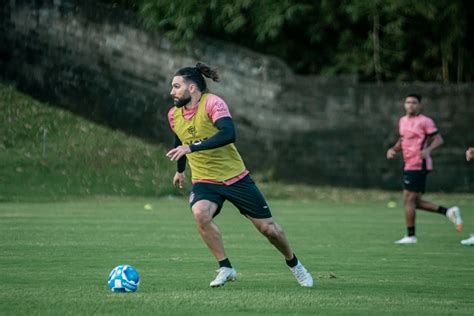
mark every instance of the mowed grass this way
{"type": "Point", "coordinates": [47, 153]}
{"type": "Point", "coordinates": [55, 259]}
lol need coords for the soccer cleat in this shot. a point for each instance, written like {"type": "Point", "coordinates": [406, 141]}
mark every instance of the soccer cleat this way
{"type": "Point", "coordinates": [407, 240]}
{"type": "Point", "coordinates": [454, 215]}
{"type": "Point", "coordinates": [224, 274]}
{"type": "Point", "coordinates": [469, 241]}
{"type": "Point", "coordinates": [302, 275]}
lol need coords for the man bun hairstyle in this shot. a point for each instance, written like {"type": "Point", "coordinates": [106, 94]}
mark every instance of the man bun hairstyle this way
{"type": "Point", "coordinates": [195, 74]}
{"type": "Point", "coordinates": [414, 95]}
{"type": "Point", "coordinates": [207, 71]}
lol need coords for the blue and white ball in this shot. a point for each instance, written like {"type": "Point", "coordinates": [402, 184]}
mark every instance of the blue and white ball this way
{"type": "Point", "coordinates": [123, 278]}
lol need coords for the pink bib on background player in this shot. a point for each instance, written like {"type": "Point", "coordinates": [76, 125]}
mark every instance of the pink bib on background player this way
{"type": "Point", "coordinates": [414, 133]}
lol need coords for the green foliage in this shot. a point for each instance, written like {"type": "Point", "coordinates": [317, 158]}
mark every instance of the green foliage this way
{"type": "Point", "coordinates": [377, 40]}
{"type": "Point", "coordinates": [49, 153]}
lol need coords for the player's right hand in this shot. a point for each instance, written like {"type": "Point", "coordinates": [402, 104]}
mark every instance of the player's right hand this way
{"type": "Point", "coordinates": [391, 153]}
{"type": "Point", "coordinates": [469, 153]}
{"type": "Point", "coordinates": [178, 180]}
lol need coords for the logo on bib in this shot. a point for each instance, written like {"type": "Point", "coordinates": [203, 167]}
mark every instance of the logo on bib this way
{"type": "Point", "coordinates": [192, 130]}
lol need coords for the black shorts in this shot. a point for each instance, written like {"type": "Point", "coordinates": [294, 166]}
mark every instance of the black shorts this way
{"type": "Point", "coordinates": [244, 194]}
{"type": "Point", "coordinates": [415, 180]}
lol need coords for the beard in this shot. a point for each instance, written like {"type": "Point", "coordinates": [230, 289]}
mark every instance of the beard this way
{"type": "Point", "coordinates": [185, 99]}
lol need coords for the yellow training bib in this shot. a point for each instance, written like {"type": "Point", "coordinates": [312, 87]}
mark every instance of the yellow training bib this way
{"type": "Point", "coordinates": [218, 164]}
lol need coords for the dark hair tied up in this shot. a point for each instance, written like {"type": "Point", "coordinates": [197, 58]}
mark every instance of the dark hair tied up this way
{"type": "Point", "coordinates": [207, 71]}
{"type": "Point", "coordinates": [195, 74]}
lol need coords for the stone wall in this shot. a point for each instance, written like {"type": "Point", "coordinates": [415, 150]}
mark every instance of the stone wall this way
{"type": "Point", "coordinates": [99, 62]}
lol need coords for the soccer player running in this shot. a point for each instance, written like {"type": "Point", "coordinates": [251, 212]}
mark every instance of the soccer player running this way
{"type": "Point", "coordinates": [418, 138]}
{"type": "Point", "coordinates": [469, 156]}
{"type": "Point", "coordinates": [205, 136]}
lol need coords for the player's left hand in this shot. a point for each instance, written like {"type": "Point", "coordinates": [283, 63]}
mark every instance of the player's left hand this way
{"type": "Point", "coordinates": [178, 152]}
{"type": "Point", "coordinates": [425, 153]}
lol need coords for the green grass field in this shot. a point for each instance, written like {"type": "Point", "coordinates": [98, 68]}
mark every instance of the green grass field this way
{"type": "Point", "coordinates": [72, 198]}
{"type": "Point", "coordinates": [55, 259]}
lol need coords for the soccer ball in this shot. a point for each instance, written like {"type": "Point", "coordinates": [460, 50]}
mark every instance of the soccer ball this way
{"type": "Point", "coordinates": [123, 278]}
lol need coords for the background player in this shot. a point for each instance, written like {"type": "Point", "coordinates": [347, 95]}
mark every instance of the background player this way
{"type": "Point", "coordinates": [419, 136]}
{"type": "Point", "coordinates": [469, 156]}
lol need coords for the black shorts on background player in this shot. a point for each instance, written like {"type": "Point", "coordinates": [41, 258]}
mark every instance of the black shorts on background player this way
{"type": "Point", "coordinates": [415, 180]}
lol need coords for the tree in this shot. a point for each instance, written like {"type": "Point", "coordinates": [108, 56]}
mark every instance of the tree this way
{"type": "Point", "coordinates": [379, 40]}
